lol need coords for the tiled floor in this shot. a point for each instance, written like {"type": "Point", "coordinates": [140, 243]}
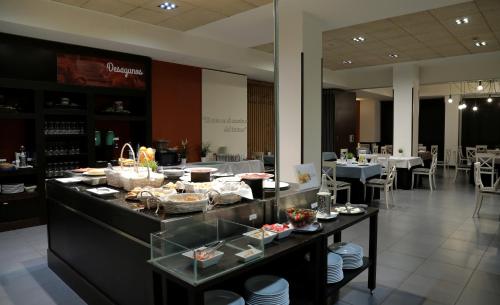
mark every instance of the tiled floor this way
{"type": "Point", "coordinates": [431, 252]}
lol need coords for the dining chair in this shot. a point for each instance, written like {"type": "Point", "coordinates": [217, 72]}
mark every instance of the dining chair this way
{"type": "Point", "coordinates": [389, 149]}
{"type": "Point", "coordinates": [343, 152]}
{"type": "Point", "coordinates": [386, 168]}
{"type": "Point", "coordinates": [434, 149]}
{"type": "Point", "coordinates": [333, 184]}
{"type": "Point", "coordinates": [470, 154]}
{"type": "Point", "coordinates": [386, 184]}
{"type": "Point", "coordinates": [374, 149]}
{"type": "Point", "coordinates": [482, 148]}
{"type": "Point", "coordinates": [446, 160]}
{"type": "Point", "coordinates": [422, 147]}
{"type": "Point", "coordinates": [481, 190]}
{"type": "Point", "coordinates": [430, 172]}
{"type": "Point", "coordinates": [487, 165]}
{"type": "Point", "coordinates": [383, 150]}
{"type": "Point", "coordinates": [462, 164]}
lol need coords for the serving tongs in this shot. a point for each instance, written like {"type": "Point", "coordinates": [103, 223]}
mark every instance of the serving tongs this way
{"type": "Point", "coordinates": [151, 200]}
{"type": "Point", "coordinates": [211, 247]}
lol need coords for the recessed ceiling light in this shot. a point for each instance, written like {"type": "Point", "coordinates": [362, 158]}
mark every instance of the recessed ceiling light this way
{"type": "Point", "coordinates": [463, 20]}
{"type": "Point", "coordinates": [347, 62]}
{"type": "Point", "coordinates": [359, 39]}
{"type": "Point", "coordinates": [393, 55]}
{"type": "Point", "coordinates": [480, 43]}
{"type": "Point", "coordinates": [168, 6]}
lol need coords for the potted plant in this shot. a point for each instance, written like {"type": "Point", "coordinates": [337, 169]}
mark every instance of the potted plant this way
{"type": "Point", "coordinates": [349, 156]}
{"type": "Point", "coordinates": [400, 151]}
{"type": "Point", "coordinates": [184, 151]}
{"type": "Point", "coordinates": [205, 149]}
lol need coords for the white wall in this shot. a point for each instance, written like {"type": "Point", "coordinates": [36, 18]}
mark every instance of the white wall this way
{"type": "Point", "coordinates": [451, 127]}
{"type": "Point", "coordinates": [224, 111]}
{"type": "Point", "coordinates": [406, 102]}
{"type": "Point", "coordinates": [369, 120]}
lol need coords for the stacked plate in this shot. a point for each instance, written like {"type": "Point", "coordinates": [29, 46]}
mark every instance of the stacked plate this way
{"type": "Point", "coordinates": [223, 297]}
{"type": "Point", "coordinates": [12, 188]}
{"type": "Point", "coordinates": [334, 272]}
{"type": "Point", "coordinates": [267, 290]}
{"type": "Point", "coordinates": [352, 255]}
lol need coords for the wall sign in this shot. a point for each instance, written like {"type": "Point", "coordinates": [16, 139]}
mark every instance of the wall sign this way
{"type": "Point", "coordinates": [306, 176]}
{"type": "Point", "coordinates": [101, 72]}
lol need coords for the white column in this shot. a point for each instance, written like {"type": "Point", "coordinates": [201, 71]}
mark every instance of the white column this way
{"type": "Point", "coordinates": [451, 127]}
{"type": "Point", "coordinates": [406, 108]}
{"type": "Point", "coordinates": [299, 33]}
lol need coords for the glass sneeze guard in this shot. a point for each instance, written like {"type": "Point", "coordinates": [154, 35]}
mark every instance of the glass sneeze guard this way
{"type": "Point", "coordinates": [219, 246]}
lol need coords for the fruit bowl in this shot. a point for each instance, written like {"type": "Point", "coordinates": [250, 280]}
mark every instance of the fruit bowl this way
{"type": "Point", "coordinates": [301, 217]}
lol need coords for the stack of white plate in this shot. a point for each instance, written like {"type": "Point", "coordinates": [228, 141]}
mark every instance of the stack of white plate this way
{"type": "Point", "coordinates": [267, 290]}
{"type": "Point", "coordinates": [352, 255]}
{"type": "Point", "coordinates": [223, 297]}
{"type": "Point", "coordinates": [334, 272]}
{"type": "Point", "coordinates": [12, 188]}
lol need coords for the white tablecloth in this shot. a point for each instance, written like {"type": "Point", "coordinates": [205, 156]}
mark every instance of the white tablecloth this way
{"type": "Point", "coordinates": [402, 162]}
{"type": "Point", "coordinates": [356, 172]}
{"type": "Point", "coordinates": [248, 166]}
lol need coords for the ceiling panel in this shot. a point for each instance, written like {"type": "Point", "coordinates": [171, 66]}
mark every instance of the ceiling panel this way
{"type": "Point", "coordinates": [189, 14]}
{"type": "Point", "coordinates": [191, 19]}
{"type": "Point", "coordinates": [113, 7]}
{"type": "Point", "coordinates": [487, 5]}
{"type": "Point", "coordinates": [72, 2]}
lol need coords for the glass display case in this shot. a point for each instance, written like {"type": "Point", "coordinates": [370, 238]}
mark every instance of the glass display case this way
{"type": "Point", "coordinates": [196, 251]}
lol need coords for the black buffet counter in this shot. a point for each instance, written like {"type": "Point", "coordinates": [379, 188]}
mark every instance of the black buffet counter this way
{"type": "Point", "coordinates": [101, 248]}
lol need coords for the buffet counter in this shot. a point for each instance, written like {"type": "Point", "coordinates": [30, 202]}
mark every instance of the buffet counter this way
{"type": "Point", "coordinates": [101, 248]}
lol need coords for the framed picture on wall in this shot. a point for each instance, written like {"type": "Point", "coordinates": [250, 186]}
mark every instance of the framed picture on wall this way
{"type": "Point", "coordinates": [306, 176]}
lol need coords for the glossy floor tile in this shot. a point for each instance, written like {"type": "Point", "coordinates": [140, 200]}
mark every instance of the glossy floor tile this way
{"type": "Point", "coordinates": [431, 252]}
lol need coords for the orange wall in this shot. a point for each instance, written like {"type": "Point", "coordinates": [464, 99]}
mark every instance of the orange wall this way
{"type": "Point", "coordinates": [176, 105]}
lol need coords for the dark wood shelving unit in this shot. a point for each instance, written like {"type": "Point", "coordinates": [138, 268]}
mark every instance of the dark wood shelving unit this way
{"type": "Point", "coordinates": [19, 172]}
{"type": "Point", "coordinates": [52, 111]}
{"type": "Point", "coordinates": [19, 196]}
{"type": "Point", "coordinates": [17, 116]}
{"type": "Point", "coordinates": [119, 117]}
{"type": "Point", "coordinates": [38, 95]}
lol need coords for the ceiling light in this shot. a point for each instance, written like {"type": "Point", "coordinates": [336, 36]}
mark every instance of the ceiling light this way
{"type": "Point", "coordinates": [480, 43]}
{"type": "Point", "coordinates": [474, 108]}
{"type": "Point", "coordinates": [463, 20]}
{"type": "Point", "coordinates": [347, 62]}
{"type": "Point", "coordinates": [393, 55]}
{"type": "Point", "coordinates": [480, 86]}
{"type": "Point", "coordinates": [359, 39]}
{"type": "Point", "coordinates": [450, 100]}
{"type": "Point", "coordinates": [462, 106]}
{"type": "Point", "coordinates": [168, 6]}
{"type": "Point", "coordinates": [489, 99]}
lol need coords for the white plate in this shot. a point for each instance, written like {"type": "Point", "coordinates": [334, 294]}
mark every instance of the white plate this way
{"type": "Point", "coordinates": [266, 285]}
{"type": "Point", "coordinates": [210, 169]}
{"type": "Point", "coordinates": [322, 216]}
{"type": "Point", "coordinates": [69, 180]}
{"type": "Point", "coordinates": [271, 184]}
{"type": "Point", "coordinates": [228, 179]}
{"type": "Point", "coordinates": [248, 255]}
{"type": "Point", "coordinates": [102, 191]}
{"type": "Point", "coordinates": [223, 297]}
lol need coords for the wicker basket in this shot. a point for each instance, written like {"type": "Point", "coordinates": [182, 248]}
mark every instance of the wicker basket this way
{"type": "Point", "coordinates": [114, 175]}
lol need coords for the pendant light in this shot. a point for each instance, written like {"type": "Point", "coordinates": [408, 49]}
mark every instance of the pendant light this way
{"type": "Point", "coordinates": [489, 99]}
{"type": "Point", "coordinates": [480, 86]}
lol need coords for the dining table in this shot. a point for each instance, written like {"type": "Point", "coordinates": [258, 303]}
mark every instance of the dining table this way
{"type": "Point", "coordinates": [357, 175]}
{"type": "Point", "coordinates": [404, 166]}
